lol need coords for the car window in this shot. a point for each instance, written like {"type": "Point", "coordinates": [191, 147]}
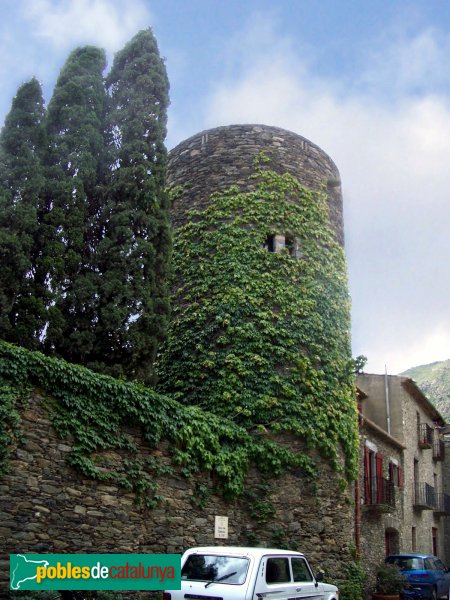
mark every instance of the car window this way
{"type": "Point", "coordinates": [300, 570]}
{"type": "Point", "coordinates": [277, 570]}
{"type": "Point", "coordinates": [226, 569]}
{"type": "Point", "coordinates": [429, 564]}
{"type": "Point", "coordinates": [439, 564]}
{"type": "Point", "coordinates": [407, 563]}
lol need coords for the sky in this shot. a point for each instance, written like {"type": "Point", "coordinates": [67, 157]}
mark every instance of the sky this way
{"type": "Point", "coordinates": [369, 82]}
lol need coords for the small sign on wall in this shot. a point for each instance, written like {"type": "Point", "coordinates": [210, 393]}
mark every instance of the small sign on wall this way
{"type": "Point", "coordinates": [221, 527]}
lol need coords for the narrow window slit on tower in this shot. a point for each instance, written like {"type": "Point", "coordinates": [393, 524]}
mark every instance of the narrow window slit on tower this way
{"type": "Point", "coordinates": [269, 244]}
{"type": "Point", "coordinates": [278, 243]}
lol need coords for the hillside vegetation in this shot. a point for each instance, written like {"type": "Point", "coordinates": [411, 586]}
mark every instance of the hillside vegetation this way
{"type": "Point", "coordinates": [434, 381]}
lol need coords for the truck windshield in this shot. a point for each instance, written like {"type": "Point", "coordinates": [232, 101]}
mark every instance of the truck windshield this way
{"type": "Point", "coordinates": [213, 568]}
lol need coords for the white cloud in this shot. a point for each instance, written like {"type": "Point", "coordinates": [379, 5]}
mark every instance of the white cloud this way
{"type": "Point", "coordinates": [106, 23]}
{"type": "Point", "coordinates": [409, 63]}
{"type": "Point", "coordinates": [38, 35]}
{"type": "Point", "coordinates": [392, 153]}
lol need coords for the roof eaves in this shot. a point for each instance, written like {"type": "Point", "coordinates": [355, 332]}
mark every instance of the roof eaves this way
{"type": "Point", "coordinates": [365, 422]}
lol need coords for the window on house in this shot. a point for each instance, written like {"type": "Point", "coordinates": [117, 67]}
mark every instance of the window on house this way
{"type": "Point", "coordinates": [434, 540]}
{"type": "Point", "coordinates": [413, 539]}
{"type": "Point", "coordinates": [416, 478]}
{"type": "Point", "coordinates": [373, 477]}
{"type": "Point", "coordinates": [395, 474]}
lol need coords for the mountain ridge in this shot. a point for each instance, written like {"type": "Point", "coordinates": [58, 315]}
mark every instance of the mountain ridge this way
{"type": "Point", "coordinates": [434, 381]}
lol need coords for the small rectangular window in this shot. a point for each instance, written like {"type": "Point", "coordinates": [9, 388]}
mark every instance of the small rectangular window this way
{"type": "Point", "coordinates": [270, 243]}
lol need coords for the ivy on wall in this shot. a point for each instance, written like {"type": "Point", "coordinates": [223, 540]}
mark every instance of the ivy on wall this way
{"type": "Point", "coordinates": [259, 345]}
{"type": "Point", "coordinates": [96, 413]}
{"type": "Point", "coordinates": [262, 338]}
{"type": "Point", "coordinates": [12, 400]}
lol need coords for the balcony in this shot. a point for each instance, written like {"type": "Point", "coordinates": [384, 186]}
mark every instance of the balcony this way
{"type": "Point", "coordinates": [438, 449]}
{"type": "Point", "coordinates": [425, 432]}
{"type": "Point", "coordinates": [442, 506]}
{"type": "Point", "coordinates": [424, 496]}
{"type": "Point", "coordinates": [379, 494]}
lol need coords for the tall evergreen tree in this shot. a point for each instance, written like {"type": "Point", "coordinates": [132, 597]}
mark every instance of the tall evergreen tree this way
{"type": "Point", "coordinates": [133, 256]}
{"type": "Point", "coordinates": [22, 300]}
{"type": "Point", "coordinates": [70, 233]}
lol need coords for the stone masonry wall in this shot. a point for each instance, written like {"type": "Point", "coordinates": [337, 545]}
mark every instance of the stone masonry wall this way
{"type": "Point", "coordinates": [446, 488]}
{"type": "Point", "coordinates": [375, 523]}
{"type": "Point", "coordinates": [213, 160]}
{"type": "Point", "coordinates": [48, 507]}
{"type": "Point", "coordinates": [407, 407]}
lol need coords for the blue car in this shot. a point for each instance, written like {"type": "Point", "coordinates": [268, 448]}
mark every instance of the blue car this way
{"type": "Point", "coordinates": [427, 575]}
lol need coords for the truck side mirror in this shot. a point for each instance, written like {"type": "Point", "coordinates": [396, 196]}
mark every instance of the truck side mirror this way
{"type": "Point", "coordinates": [319, 576]}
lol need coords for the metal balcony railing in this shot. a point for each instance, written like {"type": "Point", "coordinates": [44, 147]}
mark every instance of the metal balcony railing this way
{"type": "Point", "coordinates": [438, 448]}
{"type": "Point", "coordinates": [425, 433]}
{"type": "Point", "coordinates": [424, 496]}
{"type": "Point", "coordinates": [442, 506]}
{"type": "Point", "coordinates": [379, 492]}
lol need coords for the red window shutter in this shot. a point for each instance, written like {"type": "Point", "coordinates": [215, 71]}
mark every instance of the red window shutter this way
{"type": "Point", "coordinates": [379, 464]}
{"type": "Point", "coordinates": [400, 476]}
{"type": "Point", "coordinates": [380, 482]}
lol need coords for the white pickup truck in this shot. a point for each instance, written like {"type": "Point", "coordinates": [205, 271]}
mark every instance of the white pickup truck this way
{"type": "Point", "coordinates": [236, 573]}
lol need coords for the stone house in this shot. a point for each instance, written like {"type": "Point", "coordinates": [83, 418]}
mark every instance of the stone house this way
{"type": "Point", "coordinates": [446, 478]}
{"type": "Point", "coordinates": [402, 504]}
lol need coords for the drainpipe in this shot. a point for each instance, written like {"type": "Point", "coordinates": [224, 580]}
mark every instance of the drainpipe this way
{"type": "Point", "coordinates": [386, 395]}
{"type": "Point", "coordinates": [357, 519]}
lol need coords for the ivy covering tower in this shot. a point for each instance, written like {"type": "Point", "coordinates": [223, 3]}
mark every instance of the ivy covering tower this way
{"type": "Point", "coordinates": [261, 318]}
{"type": "Point", "coordinates": [22, 300]}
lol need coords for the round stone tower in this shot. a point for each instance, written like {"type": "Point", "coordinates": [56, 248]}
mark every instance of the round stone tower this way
{"type": "Point", "coordinates": [214, 159]}
{"type": "Point", "coordinates": [261, 311]}
{"type": "Point", "coordinates": [260, 329]}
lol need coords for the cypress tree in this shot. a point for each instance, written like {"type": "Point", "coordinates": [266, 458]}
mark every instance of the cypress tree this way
{"type": "Point", "coordinates": [70, 232]}
{"type": "Point", "coordinates": [133, 255]}
{"type": "Point", "coordinates": [22, 300]}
